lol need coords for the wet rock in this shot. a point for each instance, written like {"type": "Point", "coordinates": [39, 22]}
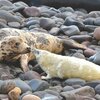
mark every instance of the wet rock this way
{"type": "Point", "coordinates": [54, 31]}
{"type": "Point", "coordinates": [97, 89]}
{"type": "Point", "coordinates": [14, 93]}
{"type": "Point", "coordinates": [96, 33]}
{"type": "Point", "coordinates": [70, 21]}
{"type": "Point", "coordinates": [14, 24]}
{"type": "Point", "coordinates": [30, 97]}
{"type": "Point", "coordinates": [32, 11]}
{"type": "Point", "coordinates": [83, 91]}
{"type": "Point", "coordinates": [38, 85]}
{"type": "Point", "coordinates": [89, 52]}
{"type": "Point", "coordinates": [8, 16]}
{"type": "Point", "coordinates": [70, 30]}
{"type": "Point", "coordinates": [68, 88]}
{"type": "Point", "coordinates": [30, 75]}
{"type": "Point", "coordinates": [81, 38]}
{"type": "Point", "coordinates": [74, 81]}
{"type": "Point", "coordinates": [22, 85]}
{"type": "Point", "coordinates": [47, 23]}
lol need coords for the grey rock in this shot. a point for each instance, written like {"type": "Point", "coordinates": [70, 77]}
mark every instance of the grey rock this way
{"type": "Point", "coordinates": [64, 9]}
{"type": "Point", "coordinates": [47, 23]}
{"type": "Point", "coordinates": [14, 24]}
{"type": "Point", "coordinates": [54, 31]}
{"type": "Point", "coordinates": [68, 88]}
{"type": "Point", "coordinates": [38, 85]}
{"type": "Point", "coordinates": [22, 85]}
{"type": "Point", "coordinates": [74, 81]}
{"type": "Point", "coordinates": [97, 97]}
{"type": "Point", "coordinates": [97, 21]}
{"type": "Point", "coordinates": [83, 91]}
{"type": "Point", "coordinates": [89, 21]}
{"type": "Point", "coordinates": [97, 89]}
{"type": "Point", "coordinates": [72, 21]}
{"type": "Point", "coordinates": [5, 3]}
{"type": "Point", "coordinates": [81, 38]}
{"type": "Point", "coordinates": [29, 75]}
{"type": "Point", "coordinates": [3, 25]}
{"type": "Point", "coordinates": [70, 30]}
{"type": "Point", "coordinates": [8, 16]}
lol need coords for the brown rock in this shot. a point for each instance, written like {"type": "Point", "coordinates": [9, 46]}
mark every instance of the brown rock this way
{"type": "Point", "coordinates": [89, 52]}
{"type": "Point", "coordinates": [14, 93]}
{"type": "Point", "coordinates": [30, 97]}
{"type": "Point", "coordinates": [31, 11]}
{"type": "Point", "coordinates": [96, 33]}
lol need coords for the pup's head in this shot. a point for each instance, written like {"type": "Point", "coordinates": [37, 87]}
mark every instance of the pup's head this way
{"type": "Point", "coordinates": [38, 52]}
{"type": "Point", "coordinates": [15, 45]}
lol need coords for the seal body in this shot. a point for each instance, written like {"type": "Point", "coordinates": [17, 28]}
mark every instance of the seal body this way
{"type": "Point", "coordinates": [38, 40]}
{"type": "Point", "coordinates": [66, 67]}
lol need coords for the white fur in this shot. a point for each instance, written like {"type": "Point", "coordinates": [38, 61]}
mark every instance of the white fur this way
{"type": "Point", "coordinates": [67, 67]}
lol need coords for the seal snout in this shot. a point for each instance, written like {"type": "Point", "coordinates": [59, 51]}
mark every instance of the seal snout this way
{"type": "Point", "coordinates": [28, 49]}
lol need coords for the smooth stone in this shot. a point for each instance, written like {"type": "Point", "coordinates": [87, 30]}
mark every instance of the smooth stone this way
{"type": "Point", "coordinates": [96, 33]}
{"type": "Point", "coordinates": [83, 91]}
{"type": "Point", "coordinates": [54, 31]}
{"type": "Point", "coordinates": [76, 86]}
{"type": "Point", "coordinates": [89, 21]}
{"type": "Point", "coordinates": [97, 21]}
{"type": "Point", "coordinates": [4, 97]}
{"type": "Point", "coordinates": [20, 4]}
{"type": "Point", "coordinates": [81, 38]}
{"type": "Point", "coordinates": [22, 85]}
{"type": "Point", "coordinates": [31, 22]}
{"type": "Point", "coordinates": [38, 85]}
{"type": "Point", "coordinates": [50, 97]}
{"type": "Point", "coordinates": [89, 52]}
{"type": "Point", "coordinates": [77, 97]}
{"type": "Point", "coordinates": [64, 9]}
{"type": "Point", "coordinates": [94, 14]}
{"type": "Point", "coordinates": [32, 11]}
{"type": "Point", "coordinates": [8, 16]}
{"type": "Point", "coordinates": [79, 55]}
{"type": "Point", "coordinates": [29, 75]}
{"type": "Point", "coordinates": [90, 28]}
{"type": "Point", "coordinates": [49, 94]}
{"type": "Point", "coordinates": [3, 21]}
{"type": "Point", "coordinates": [95, 58]}
{"type": "Point", "coordinates": [57, 88]}
{"type": "Point", "coordinates": [70, 21]}
{"type": "Point", "coordinates": [97, 97]}
{"type": "Point", "coordinates": [30, 97]}
{"type": "Point", "coordinates": [97, 89]}
{"type": "Point", "coordinates": [7, 86]}
{"type": "Point", "coordinates": [74, 81]}
{"type": "Point", "coordinates": [3, 25]}
{"type": "Point", "coordinates": [67, 88]}
{"type": "Point", "coordinates": [14, 24]}
{"type": "Point", "coordinates": [34, 26]}
{"type": "Point", "coordinates": [70, 30]}
{"type": "Point", "coordinates": [14, 93]}
{"type": "Point", "coordinates": [47, 23]}
{"type": "Point", "coordinates": [5, 3]}
{"type": "Point", "coordinates": [93, 84]}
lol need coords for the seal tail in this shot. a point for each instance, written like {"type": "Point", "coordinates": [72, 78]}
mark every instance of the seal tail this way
{"type": "Point", "coordinates": [71, 44]}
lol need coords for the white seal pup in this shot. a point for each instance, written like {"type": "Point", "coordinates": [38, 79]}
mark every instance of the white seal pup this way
{"type": "Point", "coordinates": [66, 67]}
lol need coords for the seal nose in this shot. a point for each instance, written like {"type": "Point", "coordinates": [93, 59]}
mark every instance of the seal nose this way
{"type": "Point", "coordinates": [28, 49]}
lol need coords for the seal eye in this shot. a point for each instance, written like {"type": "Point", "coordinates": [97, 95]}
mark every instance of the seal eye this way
{"type": "Point", "coordinates": [17, 44]}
